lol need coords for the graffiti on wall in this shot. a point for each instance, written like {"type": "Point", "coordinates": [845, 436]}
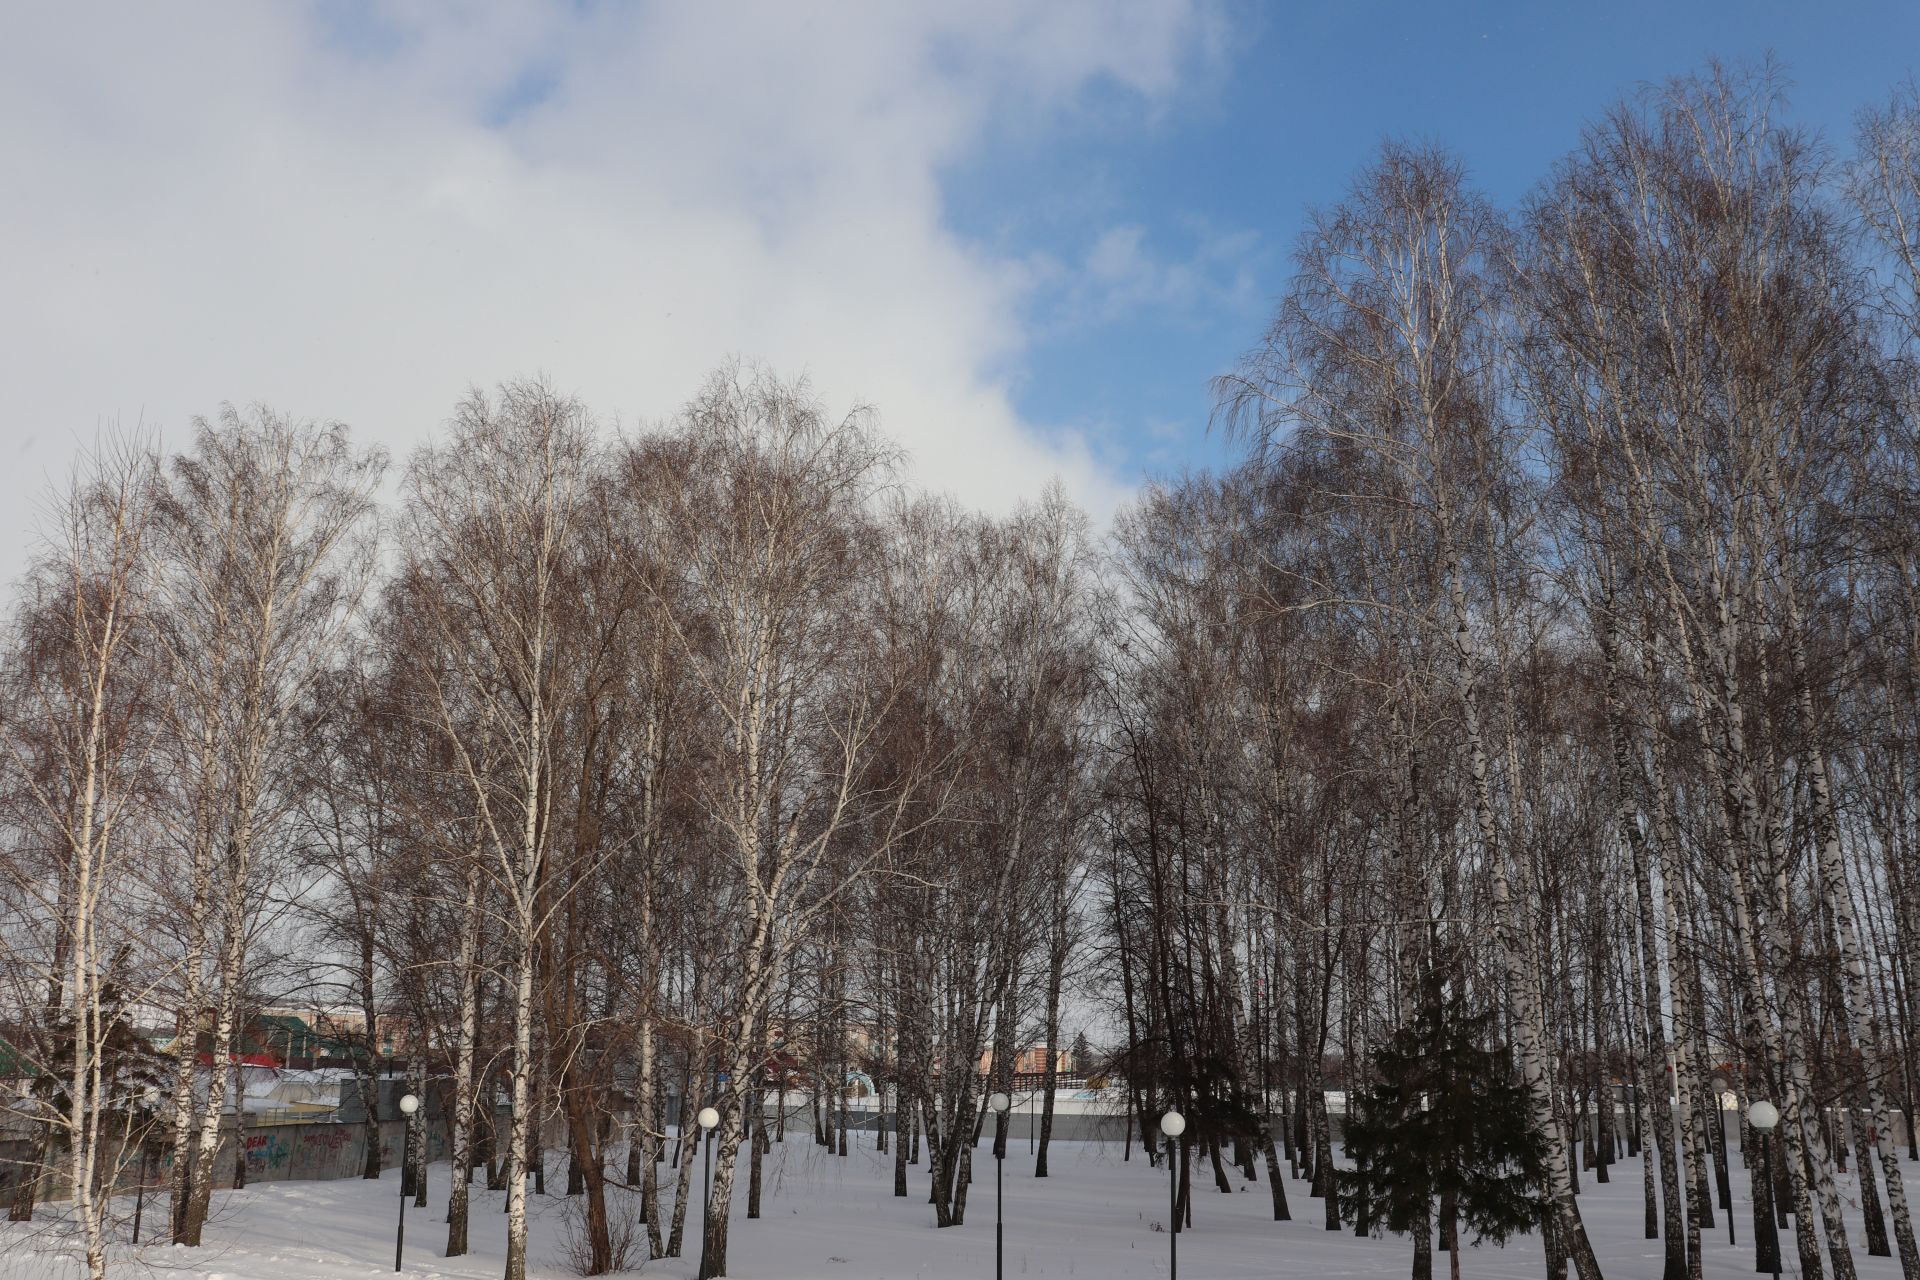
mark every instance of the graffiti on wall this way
{"type": "Point", "coordinates": [330, 1139]}
{"type": "Point", "coordinates": [266, 1153]}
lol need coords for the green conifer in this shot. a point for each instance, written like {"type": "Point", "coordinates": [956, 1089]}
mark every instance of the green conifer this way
{"type": "Point", "coordinates": [1444, 1122]}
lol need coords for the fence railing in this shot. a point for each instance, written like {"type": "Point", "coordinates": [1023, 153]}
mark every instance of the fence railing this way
{"type": "Point", "coordinates": [287, 1144]}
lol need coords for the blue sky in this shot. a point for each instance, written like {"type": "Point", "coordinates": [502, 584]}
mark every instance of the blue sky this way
{"type": "Point", "coordinates": [1300, 100]}
{"type": "Point", "coordinates": [1027, 234]}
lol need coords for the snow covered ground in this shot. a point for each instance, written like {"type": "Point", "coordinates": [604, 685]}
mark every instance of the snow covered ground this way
{"type": "Point", "coordinates": [832, 1219]}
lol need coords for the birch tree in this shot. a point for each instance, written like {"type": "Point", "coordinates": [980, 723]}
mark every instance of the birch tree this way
{"type": "Point", "coordinates": [488, 521]}
{"type": "Point", "coordinates": [267, 550]}
{"type": "Point", "coordinates": [777, 547]}
{"type": "Point", "coordinates": [79, 741]}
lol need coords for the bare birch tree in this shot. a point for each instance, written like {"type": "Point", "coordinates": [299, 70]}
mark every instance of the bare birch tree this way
{"type": "Point", "coordinates": [79, 741]}
{"type": "Point", "coordinates": [266, 553]}
{"type": "Point", "coordinates": [489, 518]}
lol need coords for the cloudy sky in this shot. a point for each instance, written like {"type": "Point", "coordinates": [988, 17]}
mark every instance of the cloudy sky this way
{"type": "Point", "coordinates": [1027, 233]}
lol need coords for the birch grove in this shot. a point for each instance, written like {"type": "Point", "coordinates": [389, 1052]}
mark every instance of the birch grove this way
{"type": "Point", "coordinates": [1552, 636]}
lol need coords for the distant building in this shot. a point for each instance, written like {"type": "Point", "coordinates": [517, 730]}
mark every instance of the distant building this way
{"type": "Point", "coordinates": [275, 1039]}
{"type": "Point", "coordinates": [1032, 1061]}
{"type": "Point", "coordinates": [395, 1032]}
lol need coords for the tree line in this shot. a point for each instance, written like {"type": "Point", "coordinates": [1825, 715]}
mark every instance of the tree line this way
{"type": "Point", "coordinates": [1556, 639]}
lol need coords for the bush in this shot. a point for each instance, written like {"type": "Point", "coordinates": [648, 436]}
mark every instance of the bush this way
{"type": "Point", "coordinates": [626, 1234]}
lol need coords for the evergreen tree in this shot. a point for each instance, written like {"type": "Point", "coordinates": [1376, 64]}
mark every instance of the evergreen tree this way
{"type": "Point", "coordinates": [1082, 1054]}
{"type": "Point", "coordinates": [124, 1102]}
{"type": "Point", "coordinates": [1446, 1120]}
{"type": "Point", "coordinates": [131, 1070]}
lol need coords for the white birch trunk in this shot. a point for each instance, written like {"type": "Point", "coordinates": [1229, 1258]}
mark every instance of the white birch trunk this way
{"type": "Point", "coordinates": [1853, 961]}
{"type": "Point", "coordinates": [1535, 1069]}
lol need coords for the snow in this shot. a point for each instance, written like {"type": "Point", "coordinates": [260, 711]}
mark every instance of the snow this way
{"type": "Point", "coordinates": [831, 1219]}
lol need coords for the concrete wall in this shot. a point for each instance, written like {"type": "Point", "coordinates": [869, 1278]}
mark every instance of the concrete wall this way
{"type": "Point", "coordinates": [274, 1153]}
{"type": "Point", "coordinates": [320, 1151]}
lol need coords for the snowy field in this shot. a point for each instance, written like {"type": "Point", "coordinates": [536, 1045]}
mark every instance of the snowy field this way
{"type": "Point", "coordinates": [832, 1219]}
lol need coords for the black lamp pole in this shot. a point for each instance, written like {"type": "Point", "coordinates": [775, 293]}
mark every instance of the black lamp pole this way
{"type": "Point", "coordinates": [1766, 1140]}
{"type": "Point", "coordinates": [146, 1171]}
{"type": "Point", "coordinates": [408, 1105]}
{"type": "Point", "coordinates": [998, 1103]}
{"type": "Point", "coordinates": [1173, 1124]}
{"type": "Point", "coordinates": [1763, 1116]}
{"type": "Point", "coordinates": [1720, 1086]}
{"type": "Point", "coordinates": [999, 1223]}
{"type": "Point", "coordinates": [151, 1096]}
{"type": "Point", "coordinates": [707, 1119]}
{"type": "Point", "coordinates": [1173, 1213]}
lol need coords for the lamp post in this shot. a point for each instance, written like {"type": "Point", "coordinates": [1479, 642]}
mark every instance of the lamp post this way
{"type": "Point", "coordinates": [1763, 1116]}
{"type": "Point", "coordinates": [707, 1119]}
{"type": "Point", "coordinates": [1720, 1087]}
{"type": "Point", "coordinates": [999, 1102]}
{"type": "Point", "coordinates": [1173, 1124]}
{"type": "Point", "coordinates": [408, 1105]}
{"type": "Point", "coordinates": [150, 1097]}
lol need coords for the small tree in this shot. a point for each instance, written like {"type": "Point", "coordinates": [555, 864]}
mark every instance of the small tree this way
{"type": "Point", "coordinates": [1082, 1054]}
{"type": "Point", "coordinates": [1446, 1120]}
{"type": "Point", "coordinates": [130, 1073]}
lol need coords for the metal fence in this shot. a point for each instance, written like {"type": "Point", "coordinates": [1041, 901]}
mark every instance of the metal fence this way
{"type": "Point", "coordinates": [309, 1150]}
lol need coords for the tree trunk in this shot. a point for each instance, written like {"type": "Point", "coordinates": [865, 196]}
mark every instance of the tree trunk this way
{"type": "Point", "coordinates": [756, 1121]}
{"type": "Point", "coordinates": [592, 1172]}
{"type": "Point", "coordinates": [461, 1171]}
{"type": "Point", "coordinates": [1423, 1244]}
{"type": "Point", "coordinates": [1862, 1024]}
{"type": "Point", "coordinates": [416, 1148]}
{"type": "Point", "coordinates": [1877, 1243]}
{"type": "Point", "coordinates": [207, 1142]}
{"type": "Point", "coordinates": [720, 1198]}
{"type": "Point", "coordinates": [1323, 1162]}
{"type": "Point", "coordinates": [676, 1234]}
{"type": "Point", "coordinates": [648, 1137]}
{"type": "Point", "coordinates": [1275, 1183]}
{"type": "Point", "coordinates": [1627, 826]}
{"type": "Point", "coordinates": [1527, 1024]}
{"type": "Point", "coordinates": [520, 1124]}
{"type": "Point", "coordinates": [1056, 976]}
{"type": "Point", "coordinates": [904, 1112]}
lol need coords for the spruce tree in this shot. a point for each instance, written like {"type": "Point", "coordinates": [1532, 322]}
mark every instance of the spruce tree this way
{"type": "Point", "coordinates": [1445, 1120]}
{"type": "Point", "coordinates": [130, 1068]}
{"type": "Point", "coordinates": [1082, 1054]}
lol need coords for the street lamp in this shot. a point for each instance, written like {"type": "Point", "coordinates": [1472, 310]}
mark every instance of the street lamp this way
{"type": "Point", "coordinates": [408, 1105]}
{"type": "Point", "coordinates": [707, 1119]}
{"type": "Point", "coordinates": [1764, 1116]}
{"type": "Point", "coordinates": [1173, 1124]}
{"type": "Point", "coordinates": [150, 1098]}
{"type": "Point", "coordinates": [1720, 1087]}
{"type": "Point", "coordinates": [999, 1102]}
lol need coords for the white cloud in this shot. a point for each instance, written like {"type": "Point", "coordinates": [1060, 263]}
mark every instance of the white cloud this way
{"type": "Point", "coordinates": [357, 219]}
{"type": "Point", "coordinates": [1123, 273]}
